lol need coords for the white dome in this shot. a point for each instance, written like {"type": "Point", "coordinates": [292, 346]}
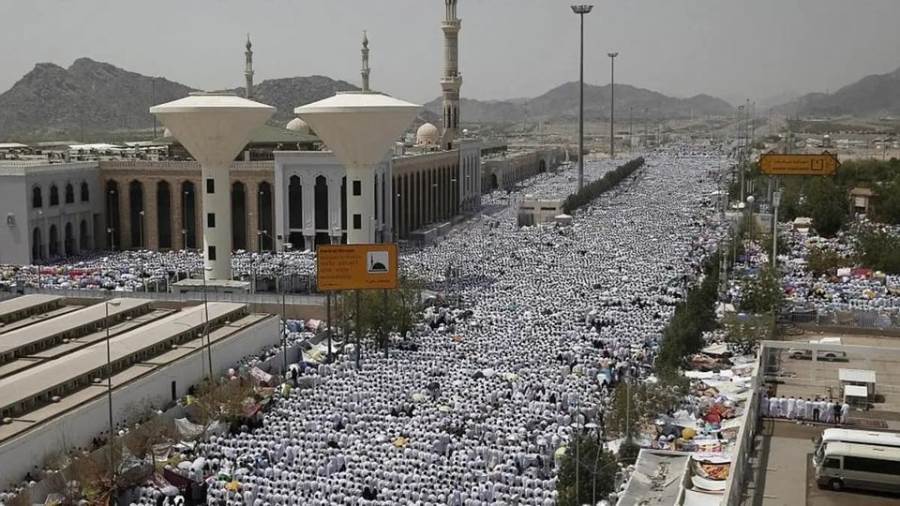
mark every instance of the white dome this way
{"type": "Point", "coordinates": [297, 125]}
{"type": "Point", "coordinates": [427, 134]}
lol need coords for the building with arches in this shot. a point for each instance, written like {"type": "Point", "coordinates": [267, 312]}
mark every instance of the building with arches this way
{"type": "Point", "coordinates": [50, 210]}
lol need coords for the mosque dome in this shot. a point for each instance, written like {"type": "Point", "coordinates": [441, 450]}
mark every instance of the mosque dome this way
{"type": "Point", "coordinates": [427, 134]}
{"type": "Point", "coordinates": [297, 125]}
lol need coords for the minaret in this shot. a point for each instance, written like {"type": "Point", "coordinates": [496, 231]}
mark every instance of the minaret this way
{"type": "Point", "coordinates": [365, 62]}
{"type": "Point", "coordinates": [451, 81]}
{"type": "Point", "coordinates": [248, 69]}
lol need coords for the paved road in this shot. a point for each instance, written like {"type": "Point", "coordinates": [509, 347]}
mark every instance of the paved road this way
{"type": "Point", "coordinates": [789, 478]}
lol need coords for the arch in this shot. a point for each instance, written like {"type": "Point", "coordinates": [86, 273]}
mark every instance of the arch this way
{"type": "Point", "coordinates": [70, 194]}
{"type": "Point", "coordinates": [136, 212]}
{"type": "Point", "coordinates": [320, 209]}
{"type": "Point", "coordinates": [54, 241]}
{"type": "Point", "coordinates": [164, 215]}
{"type": "Point", "coordinates": [188, 215]}
{"type": "Point", "coordinates": [344, 203]}
{"type": "Point", "coordinates": [85, 192]}
{"type": "Point", "coordinates": [54, 195]}
{"type": "Point", "coordinates": [266, 229]}
{"type": "Point", "coordinates": [84, 237]}
{"type": "Point", "coordinates": [295, 203]}
{"type": "Point", "coordinates": [113, 237]}
{"type": "Point", "coordinates": [494, 183]}
{"type": "Point", "coordinates": [69, 246]}
{"type": "Point", "coordinates": [239, 215]}
{"type": "Point", "coordinates": [37, 198]}
{"type": "Point", "coordinates": [542, 166]}
{"type": "Point", "coordinates": [37, 249]}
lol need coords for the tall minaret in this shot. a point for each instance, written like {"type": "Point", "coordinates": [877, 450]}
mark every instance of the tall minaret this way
{"type": "Point", "coordinates": [248, 69]}
{"type": "Point", "coordinates": [451, 81]}
{"type": "Point", "coordinates": [365, 62]}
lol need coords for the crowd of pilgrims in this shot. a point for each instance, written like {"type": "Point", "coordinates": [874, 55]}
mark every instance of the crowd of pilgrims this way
{"type": "Point", "coordinates": [849, 289]}
{"type": "Point", "coordinates": [476, 411]}
{"type": "Point", "coordinates": [144, 270]}
{"type": "Point", "coordinates": [477, 404]}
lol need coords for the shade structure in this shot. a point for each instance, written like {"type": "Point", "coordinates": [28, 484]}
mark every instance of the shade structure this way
{"type": "Point", "coordinates": [213, 128]}
{"type": "Point", "coordinates": [359, 128]}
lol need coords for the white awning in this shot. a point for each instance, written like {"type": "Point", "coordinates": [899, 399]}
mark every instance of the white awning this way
{"type": "Point", "coordinates": [856, 375]}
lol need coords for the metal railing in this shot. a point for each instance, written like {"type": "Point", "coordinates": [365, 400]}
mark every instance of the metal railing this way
{"type": "Point", "coordinates": [861, 319]}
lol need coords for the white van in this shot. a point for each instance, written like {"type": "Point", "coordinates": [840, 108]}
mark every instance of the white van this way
{"type": "Point", "coordinates": [854, 465]}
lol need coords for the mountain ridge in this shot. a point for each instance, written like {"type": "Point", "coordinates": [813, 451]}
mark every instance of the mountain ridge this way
{"type": "Point", "coordinates": [872, 95]}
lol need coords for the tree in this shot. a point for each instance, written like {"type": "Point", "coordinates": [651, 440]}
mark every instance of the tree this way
{"type": "Point", "coordinates": [827, 204]}
{"type": "Point", "coordinates": [887, 208]}
{"type": "Point", "coordinates": [824, 261]}
{"type": "Point", "coordinates": [383, 312]}
{"type": "Point", "coordinates": [587, 472]}
{"type": "Point", "coordinates": [635, 404]}
{"type": "Point", "coordinates": [763, 293]}
{"type": "Point", "coordinates": [879, 250]}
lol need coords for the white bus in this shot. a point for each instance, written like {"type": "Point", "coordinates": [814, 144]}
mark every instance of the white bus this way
{"type": "Point", "coordinates": [853, 465]}
{"type": "Point", "coordinates": [866, 437]}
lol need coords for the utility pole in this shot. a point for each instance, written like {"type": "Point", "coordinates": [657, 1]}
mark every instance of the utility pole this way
{"type": "Point", "coordinates": [612, 104]}
{"type": "Point", "coordinates": [581, 10]}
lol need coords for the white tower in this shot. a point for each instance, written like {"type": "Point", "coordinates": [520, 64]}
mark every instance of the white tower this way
{"type": "Point", "coordinates": [214, 128]}
{"type": "Point", "coordinates": [451, 81]}
{"type": "Point", "coordinates": [359, 128]}
{"type": "Point", "coordinates": [365, 63]}
{"type": "Point", "coordinates": [248, 69]}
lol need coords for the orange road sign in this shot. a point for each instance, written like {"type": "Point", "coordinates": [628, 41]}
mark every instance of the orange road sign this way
{"type": "Point", "coordinates": [356, 267]}
{"type": "Point", "coordinates": [775, 164]}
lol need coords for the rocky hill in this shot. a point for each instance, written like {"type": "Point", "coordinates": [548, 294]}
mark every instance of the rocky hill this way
{"type": "Point", "coordinates": [561, 103]}
{"type": "Point", "coordinates": [873, 95]}
{"type": "Point", "coordinates": [287, 93]}
{"type": "Point", "coordinates": [89, 95]}
{"type": "Point", "coordinates": [95, 97]}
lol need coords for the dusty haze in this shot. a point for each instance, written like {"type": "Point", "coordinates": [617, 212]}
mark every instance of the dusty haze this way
{"type": "Point", "coordinates": [509, 48]}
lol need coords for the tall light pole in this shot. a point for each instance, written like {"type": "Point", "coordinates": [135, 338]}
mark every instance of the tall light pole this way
{"type": "Point", "coordinates": [284, 247]}
{"type": "Point", "coordinates": [612, 104]}
{"type": "Point", "coordinates": [109, 373]}
{"type": "Point", "coordinates": [776, 203]}
{"type": "Point", "coordinates": [581, 10]}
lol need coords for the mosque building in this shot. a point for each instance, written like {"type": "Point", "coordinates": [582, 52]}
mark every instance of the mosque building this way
{"type": "Point", "coordinates": [285, 186]}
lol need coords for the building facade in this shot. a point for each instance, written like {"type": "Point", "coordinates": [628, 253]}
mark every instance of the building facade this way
{"type": "Point", "coordinates": [50, 210]}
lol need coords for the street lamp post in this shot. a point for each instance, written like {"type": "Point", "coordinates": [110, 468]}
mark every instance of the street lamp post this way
{"type": "Point", "coordinates": [776, 203]}
{"type": "Point", "coordinates": [109, 373]}
{"type": "Point", "coordinates": [612, 104]}
{"type": "Point", "coordinates": [581, 10]}
{"type": "Point", "coordinates": [206, 322]}
{"type": "Point", "coordinates": [284, 247]}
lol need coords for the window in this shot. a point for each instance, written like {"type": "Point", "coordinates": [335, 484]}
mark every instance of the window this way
{"type": "Point", "coordinates": [357, 222]}
{"type": "Point", "coordinates": [832, 463]}
{"type": "Point", "coordinates": [211, 220]}
{"type": "Point", "coordinates": [357, 188]}
{"type": "Point", "coordinates": [211, 253]}
{"type": "Point", "coordinates": [70, 193]}
{"type": "Point", "coordinates": [37, 200]}
{"type": "Point", "coordinates": [54, 196]}
{"type": "Point", "coordinates": [210, 185]}
{"type": "Point", "coordinates": [868, 465]}
{"type": "Point", "coordinates": [85, 192]}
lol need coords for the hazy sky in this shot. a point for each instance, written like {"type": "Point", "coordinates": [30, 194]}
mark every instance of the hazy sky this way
{"type": "Point", "coordinates": [508, 48]}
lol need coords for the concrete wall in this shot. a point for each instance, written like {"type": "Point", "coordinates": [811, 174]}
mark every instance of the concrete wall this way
{"type": "Point", "coordinates": [79, 425]}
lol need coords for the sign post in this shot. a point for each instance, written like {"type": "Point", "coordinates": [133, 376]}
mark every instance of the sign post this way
{"type": "Point", "coordinates": [775, 164]}
{"type": "Point", "coordinates": [356, 267]}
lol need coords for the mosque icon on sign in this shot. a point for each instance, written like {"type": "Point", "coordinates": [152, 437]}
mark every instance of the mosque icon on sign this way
{"type": "Point", "coordinates": [377, 262]}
